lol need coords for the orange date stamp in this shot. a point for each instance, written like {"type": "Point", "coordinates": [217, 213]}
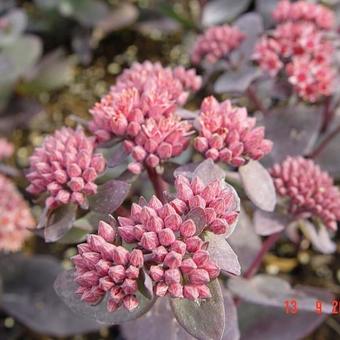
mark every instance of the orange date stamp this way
{"type": "Point", "coordinates": [292, 307]}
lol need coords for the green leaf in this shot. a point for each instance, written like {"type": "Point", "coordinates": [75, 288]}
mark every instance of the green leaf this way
{"type": "Point", "coordinates": [204, 319]}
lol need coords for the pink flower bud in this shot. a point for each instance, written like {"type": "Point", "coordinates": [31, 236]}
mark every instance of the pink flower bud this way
{"type": "Point", "coordinates": [190, 292]}
{"type": "Point", "coordinates": [111, 306]}
{"type": "Point", "coordinates": [156, 273]}
{"type": "Point", "coordinates": [78, 198]}
{"type": "Point", "coordinates": [98, 163]}
{"type": "Point", "coordinates": [166, 211]}
{"type": "Point", "coordinates": [107, 251]}
{"type": "Point", "coordinates": [127, 233]}
{"type": "Point", "coordinates": [166, 237]}
{"type": "Point", "coordinates": [117, 273]}
{"type": "Point", "coordinates": [135, 168]}
{"type": "Point", "coordinates": [188, 265]}
{"type": "Point", "coordinates": [128, 146]}
{"type": "Point", "coordinates": [138, 231]}
{"type": "Point", "coordinates": [155, 224]}
{"type": "Point", "coordinates": [91, 259]}
{"type": "Point", "coordinates": [89, 174]}
{"type": "Point", "coordinates": [212, 269]}
{"type": "Point", "coordinates": [63, 197]}
{"type": "Point", "coordinates": [203, 291]}
{"type": "Point", "coordinates": [231, 217]}
{"type": "Point", "coordinates": [88, 279]}
{"type": "Point", "coordinates": [133, 129]}
{"type": "Point", "coordinates": [105, 283]}
{"type": "Point", "coordinates": [175, 290]}
{"type": "Point", "coordinates": [136, 258]}
{"type": "Point", "coordinates": [184, 191]}
{"type": "Point", "coordinates": [155, 203]}
{"type": "Point", "coordinates": [102, 267]}
{"type": "Point", "coordinates": [90, 188]}
{"type": "Point", "coordinates": [119, 125]}
{"type": "Point", "coordinates": [188, 228]}
{"type": "Point", "coordinates": [172, 276]}
{"type": "Point", "coordinates": [130, 302]}
{"type": "Point", "coordinates": [106, 231]}
{"type": "Point", "coordinates": [173, 260]}
{"type": "Point", "coordinates": [179, 206]}
{"type": "Point", "coordinates": [132, 272]}
{"type": "Point", "coordinates": [210, 215]}
{"type": "Point", "coordinates": [212, 153]}
{"type": "Point", "coordinates": [218, 205]}
{"type": "Point", "coordinates": [219, 226]}
{"type": "Point", "coordinates": [138, 153]}
{"type": "Point", "coordinates": [179, 247]}
{"type": "Point", "coordinates": [193, 244]}
{"type": "Point", "coordinates": [121, 256]}
{"type": "Point", "coordinates": [60, 176]}
{"type": "Point", "coordinates": [159, 254]}
{"type": "Point", "coordinates": [173, 222]}
{"type": "Point", "coordinates": [76, 184]}
{"type": "Point", "coordinates": [116, 294]}
{"type": "Point", "coordinates": [129, 286]}
{"type": "Point", "coordinates": [164, 150]}
{"type": "Point", "coordinates": [125, 221]}
{"type": "Point", "coordinates": [152, 161]}
{"type": "Point", "coordinates": [149, 240]}
{"type": "Point", "coordinates": [199, 276]}
{"type": "Point", "coordinates": [83, 247]}
{"type": "Point", "coordinates": [95, 242]}
{"type": "Point", "coordinates": [201, 144]}
{"type": "Point", "coordinates": [78, 261]}
{"type": "Point", "coordinates": [74, 170]}
{"type": "Point", "coordinates": [197, 202]}
{"type": "Point", "coordinates": [161, 289]}
{"type": "Point", "coordinates": [201, 257]}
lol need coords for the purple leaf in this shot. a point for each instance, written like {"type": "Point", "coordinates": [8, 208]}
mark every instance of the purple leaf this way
{"type": "Point", "coordinates": [186, 114]}
{"type": "Point", "coordinates": [272, 291]}
{"type": "Point", "coordinates": [208, 172]}
{"type": "Point", "coordinates": [114, 156]}
{"type": "Point", "coordinates": [204, 319]}
{"type": "Point", "coordinates": [258, 185]}
{"type": "Point", "coordinates": [244, 240]}
{"type": "Point", "coordinates": [266, 8]}
{"type": "Point", "coordinates": [222, 254]}
{"type": "Point", "coordinates": [293, 130]}
{"type": "Point", "coordinates": [267, 223]}
{"type": "Point", "coordinates": [109, 197]}
{"type": "Point", "coordinates": [231, 331]}
{"type": "Point", "coordinates": [198, 216]}
{"type": "Point", "coordinates": [320, 239]}
{"type": "Point", "coordinates": [186, 170]}
{"type": "Point", "coordinates": [60, 222]}
{"type": "Point", "coordinates": [29, 297]}
{"type": "Point", "coordinates": [66, 287]}
{"type": "Point", "coordinates": [236, 81]}
{"type": "Point", "coordinates": [145, 285]}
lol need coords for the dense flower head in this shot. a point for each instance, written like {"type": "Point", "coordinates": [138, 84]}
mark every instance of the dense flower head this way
{"type": "Point", "coordinates": [66, 167]}
{"type": "Point", "coordinates": [310, 191]}
{"type": "Point", "coordinates": [320, 15]}
{"type": "Point", "coordinates": [227, 134]}
{"type": "Point", "coordinates": [300, 47]}
{"type": "Point", "coordinates": [157, 140]}
{"type": "Point", "coordinates": [6, 149]}
{"type": "Point", "coordinates": [216, 43]}
{"type": "Point", "coordinates": [15, 217]}
{"type": "Point", "coordinates": [104, 268]}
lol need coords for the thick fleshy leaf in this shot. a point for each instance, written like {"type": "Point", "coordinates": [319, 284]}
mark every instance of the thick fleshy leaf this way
{"type": "Point", "coordinates": [17, 21]}
{"type": "Point", "coordinates": [266, 8]}
{"type": "Point", "coordinates": [267, 223]}
{"type": "Point", "coordinates": [186, 170]}
{"type": "Point", "coordinates": [66, 287]}
{"type": "Point", "coordinates": [30, 298]}
{"type": "Point", "coordinates": [258, 185]}
{"type": "Point", "coordinates": [245, 241]}
{"type": "Point", "coordinates": [198, 216]}
{"type": "Point", "coordinates": [60, 222]}
{"type": "Point", "coordinates": [202, 319]}
{"type": "Point", "coordinates": [145, 284]}
{"type": "Point", "coordinates": [109, 197]}
{"type": "Point", "coordinates": [208, 172]}
{"type": "Point", "coordinates": [251, 24]}
{"type": "Point", "coordinates": [293, 130]}
{"type": "Point", "coordinates": [22, 55]}
{"type": "Point", "coordinates": [231, 331]}
{"type": "Point", "coordinates": [320, 238]}
{"type": "Point", "coordinates": [222, 254]}
{"type": "Point", "coordinates": [273, 291]}
{"type": "Point", "coordinates": [115, 156]}
{"type": "Point", "coordinates": [236, 81]}
{"type": "Point", "coordinates": [221, 11]}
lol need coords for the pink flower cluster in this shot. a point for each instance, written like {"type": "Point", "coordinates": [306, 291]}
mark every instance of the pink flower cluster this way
{"type": "Point", "coordinates": [300, 47]}
{"type": "Point", "coordinates": [141, 109]}
{"type": "Point", "coordinates": [66, 167]}
{"type": "Point", "coordinates": [15, 217]}
{"type": "Point", "coordinates": [227, 134]}
{"type": "Point", "coordinates": [181, 266]}
{"type": "Point", "coordinates": [216, 43]}
{"type": "Point", "coordinates": [311, 191]}
{"type": "Point", "coordinates": [6, 149]}
{"type": "Point", "coordinates": [158, 140]}
{"type": "Point", "coordinates": [102, 267]}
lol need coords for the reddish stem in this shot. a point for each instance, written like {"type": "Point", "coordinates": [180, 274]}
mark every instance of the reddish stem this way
{"type": "Point", "coordinates": [266, 246]}
{"type": "Point", "coordinates": [325, 142]}
{"type": "Point", "coordinates": [158, 184]}
{"type": "Point", "coordinates": [328, 115]}
{"type": "Point", "coordinates": [256, 100]}
{"type": "Point", "coordinates": [121, 211]}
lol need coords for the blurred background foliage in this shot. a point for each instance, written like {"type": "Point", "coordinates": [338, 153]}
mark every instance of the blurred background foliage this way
{"type": "Point", "coordinates": [57, 57]}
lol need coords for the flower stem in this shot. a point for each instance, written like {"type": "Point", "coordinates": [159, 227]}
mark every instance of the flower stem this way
{"type": "Point", "coordinates": [325, 142]}
{"type": "Point", "coordinates": [158, 184]}
{"type": "Point", "coordinates": [328, 115]}
{"type": "Point", "coordinates": [266, 246]}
